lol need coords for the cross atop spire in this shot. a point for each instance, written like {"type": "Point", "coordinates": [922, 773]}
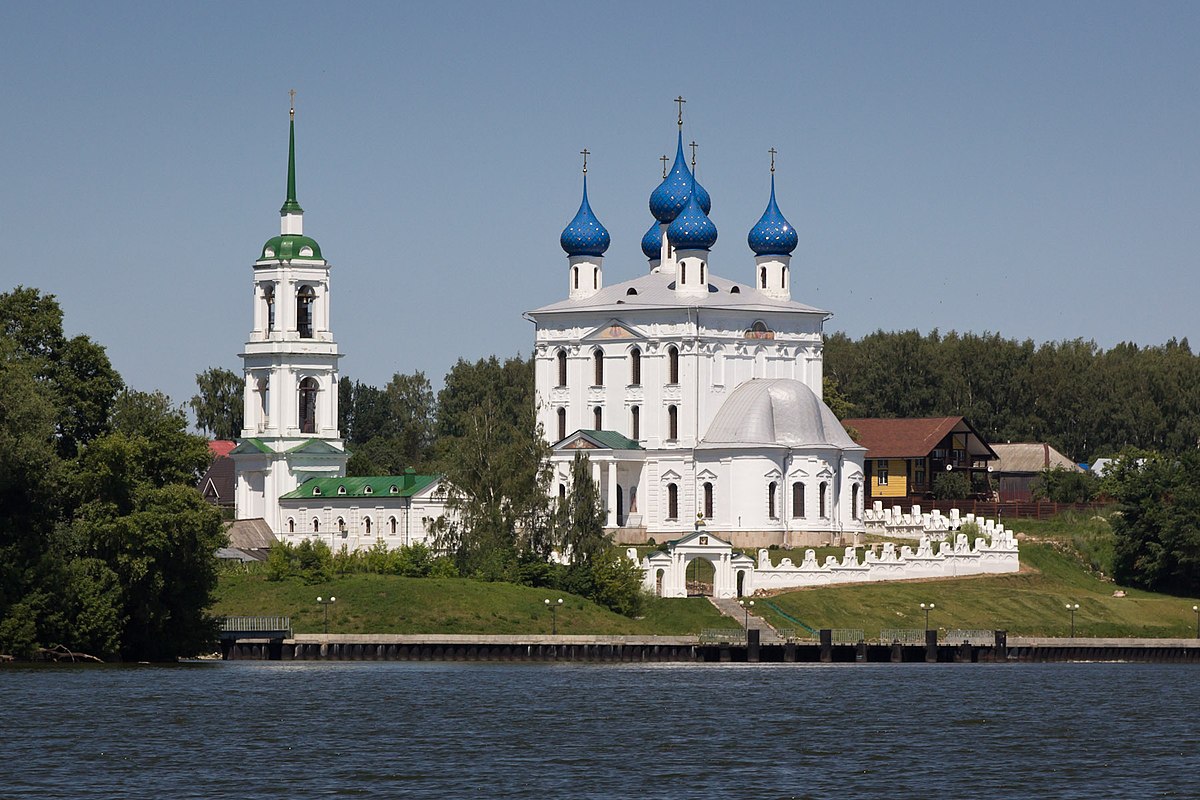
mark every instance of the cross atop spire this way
{"type": "Point", "coordinates": [680, 101]}
{"type": "Point", "coordinates": [664, 161]}
{"type": "Point", "coordinates": [693, 145]}
{"type": "Point", "coordinates": [292, 95]}
{"type": "Point", "coordinates": [585, 153]}
{"type": "Point", "coordinates": [772, 151]}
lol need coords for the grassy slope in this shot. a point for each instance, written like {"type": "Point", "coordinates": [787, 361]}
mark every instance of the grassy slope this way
{"type": "Point", "coordinates": [391, 604]}
{"type": "Point", "coordinates": [1063, 565]}
{"type": "Point", "coordinates": [1031, 603]}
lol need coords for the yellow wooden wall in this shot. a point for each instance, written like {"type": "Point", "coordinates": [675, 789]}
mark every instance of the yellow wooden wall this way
{"type": "Point", "coordinates": [897, 485]}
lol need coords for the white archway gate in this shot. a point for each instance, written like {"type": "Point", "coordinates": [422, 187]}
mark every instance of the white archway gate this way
{"type": "Point", "coordinates": [665, 573]}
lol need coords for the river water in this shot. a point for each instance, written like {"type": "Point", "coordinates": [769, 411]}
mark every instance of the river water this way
{"type": "Point", "coordinates": [311, 730]}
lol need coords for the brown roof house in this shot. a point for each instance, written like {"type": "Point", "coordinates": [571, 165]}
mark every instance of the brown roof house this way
{"type": "Point", "coordinates": [1019, 464]}
{"type": "Point", "coordinates": [905, 455]}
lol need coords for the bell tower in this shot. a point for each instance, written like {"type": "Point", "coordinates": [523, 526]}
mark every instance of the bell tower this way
{"type": "Point", "coordinates": [290, 365]}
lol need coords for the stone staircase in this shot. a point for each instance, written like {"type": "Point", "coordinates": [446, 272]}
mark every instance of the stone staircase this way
{"type": "Point", "coordinates": [735, 611]}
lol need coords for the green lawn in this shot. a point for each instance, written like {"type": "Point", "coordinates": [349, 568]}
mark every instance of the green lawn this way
{"type": "Point", "coordinates": [1031, 603]}
{"type": "Point", "coordinates": [391, 604]}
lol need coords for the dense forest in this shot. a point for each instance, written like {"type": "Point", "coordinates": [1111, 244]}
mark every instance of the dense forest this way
{"type": "Point", "coordinates": [106, 547]}
{"type": "Point", "coordinates": [1085, 401]}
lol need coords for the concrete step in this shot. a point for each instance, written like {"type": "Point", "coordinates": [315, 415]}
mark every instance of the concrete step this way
{"type": "Point", "coordinates": [737, 612]}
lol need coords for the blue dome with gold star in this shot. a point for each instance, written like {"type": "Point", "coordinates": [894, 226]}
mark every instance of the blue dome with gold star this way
{"type": "Point", "coordinates": [772, 235]}
{"type": "Point", "coordinates": [692, 229]}
{"type": "Point", "coordinates": [671, 196]}
{"type": "Point", "coordinates": [652, 242]}
{"type": "Point", "coordinates": [584, 235]}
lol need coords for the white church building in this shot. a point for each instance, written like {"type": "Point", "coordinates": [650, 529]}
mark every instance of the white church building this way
{"type": "Point", "coordinates": [697, 398]}
{"type": "Point", "coordinates": [290, 462]}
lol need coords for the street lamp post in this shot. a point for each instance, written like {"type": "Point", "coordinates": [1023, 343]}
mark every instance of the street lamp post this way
{"type": "Point", "coordinates": [746, 606]}
{"type": "Point", "coordinates": [927, 607]}
{"type": "Point", "coordinates": [1197, 610]}
{"type": "Point", "coordinates": [326, 602]}
{"type": "Point", "coordinates": [553, 615]}
{"type": "Point", "coordinates": [1072, 609]}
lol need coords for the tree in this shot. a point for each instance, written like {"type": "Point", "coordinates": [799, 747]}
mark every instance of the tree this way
{"type": "Point", "coordinates": [581, 516]}
{"type": "Point", "coordinates": [218, 406]}
{"type": "Point", "coordinates": [1059, 485]}
{"type": "Point", "coordinates": [951, 486]}
{"type": "Point", "coordinates": [495, 464]}
{"type": "Point", "coordinates": [1158, 529]}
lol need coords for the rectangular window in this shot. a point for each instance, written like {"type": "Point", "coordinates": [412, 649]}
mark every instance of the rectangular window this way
{"type": "Point", "coordinates": [881, 474]}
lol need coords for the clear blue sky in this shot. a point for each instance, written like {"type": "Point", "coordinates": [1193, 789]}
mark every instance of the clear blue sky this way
{"type": "Point", "coordinates": [1027, 168]}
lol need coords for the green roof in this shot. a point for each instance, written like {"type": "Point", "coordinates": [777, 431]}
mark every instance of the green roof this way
{"type": "Point", "coordinates": [245, 445]}
{"type": "Point", "coordinates": [288, 246]}
{"type": "Point", "coordinates": [405, 485]}
{"type": "Point", "coordinates": [612, 440]}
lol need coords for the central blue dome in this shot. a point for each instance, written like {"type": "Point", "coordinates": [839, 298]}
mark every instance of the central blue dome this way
{"type": "Point", "coordinates": [671, 196]}
{"type": "Point", "coordinates": [772, 235]}
{"type": "Point", "coordinates": [584, 235]}
{"type": "Point", "coordinates": [692, 229]}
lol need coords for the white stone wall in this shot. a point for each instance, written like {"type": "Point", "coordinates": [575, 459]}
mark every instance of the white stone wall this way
{"type": "Point", "coordinates": [413, 522]}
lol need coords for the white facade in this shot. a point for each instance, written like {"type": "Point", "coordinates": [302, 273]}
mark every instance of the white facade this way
{"type": "Point", "coordinates": [657, 365]}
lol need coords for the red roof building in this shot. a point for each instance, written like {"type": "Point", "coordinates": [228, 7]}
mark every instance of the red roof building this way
{"type": "Point", "coordinates": [905, 455]}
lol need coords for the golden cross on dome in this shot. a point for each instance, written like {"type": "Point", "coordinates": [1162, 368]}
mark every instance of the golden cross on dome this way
{"type": "Point", "coordinates": [772, 151]}
{"type": "Point", "coordinates": [292, 95]}
{"type": "Point", "coordinates": [664, 159]}
{"type": "Point", "coordinates": [585, 153]}
{"type": "Point", "coordinates": [680, 101]}
{"type": "Point", "coordinates": [693, 146]}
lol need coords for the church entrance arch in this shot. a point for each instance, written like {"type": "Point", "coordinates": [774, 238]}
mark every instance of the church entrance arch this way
{"type": "Point", "coordinates": [698, 564]}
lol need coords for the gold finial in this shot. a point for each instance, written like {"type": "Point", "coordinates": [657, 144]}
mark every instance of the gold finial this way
{"type": "Point", "coordinates": [680, 101]}
{"type": "Point", "coordinates": [292, 96]}
{"type": "Point", "coordinates": [664, 159]}
{"type": "Point", "coordinates": [693, 146]}
{"type": "Point", "coordinates": [772, 151]}
{"type": "Point", "coordinates": [585, 153]}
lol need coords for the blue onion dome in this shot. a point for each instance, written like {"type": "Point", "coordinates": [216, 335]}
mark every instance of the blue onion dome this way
{"type": "Point", "coordinates": [584, 235]}
{"type": "Point", "coordinates": [692, 229]}
{"type": "Point", "coordinates": [772, 235]}
{"type": "Point", "coordinates": [672, 194]}
{"type": "Point", "coordinates": [652, 242]}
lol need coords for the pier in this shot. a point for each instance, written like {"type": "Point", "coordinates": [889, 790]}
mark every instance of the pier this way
{"type": "Point", "coordinates": [827, 648]}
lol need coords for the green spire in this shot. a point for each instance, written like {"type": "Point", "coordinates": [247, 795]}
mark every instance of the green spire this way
{"type": "Point", "coordinates": [290, 205]}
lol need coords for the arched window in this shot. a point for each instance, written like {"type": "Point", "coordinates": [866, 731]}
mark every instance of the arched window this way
{"type": "Point", "coordinates": [392, 525]}
{"type": "Point", "coordinates": [708, 500]}
{"type": "Point", "coordinates": [672, 501]}
{"type": "Point", "coordinates": [264, 401]}
{"type": "Point", "coordinates": [672, 364]}
{"type": "Point", "coordinates": [702, 272]}
{"type": "Point", "coordinates": [759, 327]}
{"type": "Point", "coordinates": [635, 423]}
{"type": "Point", "coordinates": [316, 526]}
{"type": "Point", "coordinates": [562, 423]}
{"type": "Point", "coordinates": [672, 422]}
{"type": "Point", "coordinates": [635, 366]}
{"type": "Point", "coordinates": [821, 490]}
{"type": "Point", "coordinates": [797, 500]}
{"type": "Point", "coordinates": [683, 272]}
{"type": "Point", "coordinates": [308, 405]}
{"type": "Point", "coordinates": [598, 418]}
{"type": "Point", "coordinates": [561, 358]}
{"type": "Point", "coordinates": [367, 525]}
{"type": "Point", "coordinates": [269, 296]}
{"type": "Point", "coordinates": [304, 311]}
{"type": "Point", "coordinates": [575, 275]}
{"type": "Point", "coordinates": [620, 507]}
{"type": "Point", "coordinates": [562, 492]}
{"type": "Point", "coordinates": [595, 278]}
{"type": "Point", "coordinates": [341, 525]}
{"type": "Point", "coordinates": [762, 277]}
{"type": "Point", "coordinates": [785, 277]}
{"type": "Point", "coordinates": [771, 511]}
{"type": "Point", "coordinates": [598, 364]}
{"type": "Point", "coordinates": [854, 501]}
{"type": "Point", "coordinates": [291, 525]}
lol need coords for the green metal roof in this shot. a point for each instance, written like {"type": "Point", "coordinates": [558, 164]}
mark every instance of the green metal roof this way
{"type": "Point", "coordinates": [288, 246]}
{"type": "Point", "coordinates": [612, 440]}
{"type": "Point", "coordinates": [405, 485]}
{"type": "Point", "coordinates": [290, 205]}
{"type": "Point", "coordinates": [246, 445]}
